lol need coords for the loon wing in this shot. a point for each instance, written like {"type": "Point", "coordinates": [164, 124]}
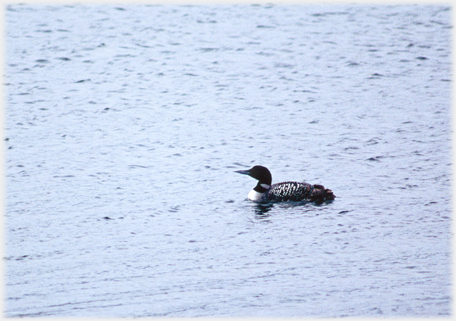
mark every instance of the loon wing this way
{"type": "Point", "coordinates": [289, 191]}
{"type": "Point", "coordinates": [297, 191]}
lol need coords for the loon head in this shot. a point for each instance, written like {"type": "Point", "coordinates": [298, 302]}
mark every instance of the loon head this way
{"type": "Point", "coordinates": [261, 173]}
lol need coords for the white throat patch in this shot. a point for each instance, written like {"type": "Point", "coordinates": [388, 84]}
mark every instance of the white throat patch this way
{"type": "Point", "coordinates": [254, 195]}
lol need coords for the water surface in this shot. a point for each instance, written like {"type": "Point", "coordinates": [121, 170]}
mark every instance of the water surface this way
{"type": "Point", "coordinates": [124, 126]}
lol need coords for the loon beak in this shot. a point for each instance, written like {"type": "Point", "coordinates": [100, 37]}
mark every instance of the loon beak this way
{"type": "Point", "coordinates": [245, 172]}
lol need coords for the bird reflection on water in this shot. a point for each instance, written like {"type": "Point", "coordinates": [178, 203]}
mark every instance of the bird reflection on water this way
{"type": "Point", "coordinates": [262, 210]}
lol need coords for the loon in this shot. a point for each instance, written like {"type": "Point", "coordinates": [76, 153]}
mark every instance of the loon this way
{"type": "Point", "coordinates": [286, 191]}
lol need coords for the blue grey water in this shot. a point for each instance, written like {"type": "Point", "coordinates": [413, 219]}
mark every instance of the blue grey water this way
{"type": "Point", "coordinates": [125, 124]}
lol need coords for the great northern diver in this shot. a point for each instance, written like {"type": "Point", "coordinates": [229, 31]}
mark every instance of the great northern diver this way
{"type": "Point", "coordinates": [286, 191]}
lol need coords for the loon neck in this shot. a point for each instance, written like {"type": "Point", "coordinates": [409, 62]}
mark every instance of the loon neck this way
{"type": "Point", "coordinates": [261, 187]}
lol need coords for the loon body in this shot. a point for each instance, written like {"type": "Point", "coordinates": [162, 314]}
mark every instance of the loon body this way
{"type": "Point", "coordinates": [264, 191]}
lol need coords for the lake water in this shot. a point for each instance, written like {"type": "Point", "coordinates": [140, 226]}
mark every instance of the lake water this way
{"type": "Point", "coordinates": [125, 124]}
